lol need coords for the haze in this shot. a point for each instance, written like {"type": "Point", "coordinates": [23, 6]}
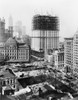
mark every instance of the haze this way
{"type": "Point", "coordinates": [24, 10]}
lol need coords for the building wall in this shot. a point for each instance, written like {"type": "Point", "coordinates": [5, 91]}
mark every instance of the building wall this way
{"type": "Point", "coordinates": [11, 31]}
{"type": "Point", "coordinates": [68, 52]}
{"type": "Point", "coordinates": [2, 26]}
{"type": "Point", "coordinates": [71, 53]}
{"type": "Point", "coordinates": [45, 32]}
{"type": "Point", "coordinates": [61, 60]}
{"type": "Point", "coordinates": [9, 82]}
{"type": "Point", "coordinates": [75, 53]}
{"type": "Point", "coordinates": [23, 53]}
{"type": "Point", "coordinates": [11, 52]}
{"type": "Point", "coordinates": [55, 53]}
{"type": "Point", "coordinates": [56, 59]}
{"type": "Point", "coordinates": [14, 53]}
{"type": "Point", "coordinates": [5, 33]}
{"type": "Point", "coordinates": [2, 51]}
{"type": "Point", "coordinates": [2, 30]}
{"type": "Point", "coordinates": [45, 40]}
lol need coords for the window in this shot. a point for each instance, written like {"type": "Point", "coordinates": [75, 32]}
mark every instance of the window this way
{"type": "Point", "coordinates": [3, 83]}
{"type": "Point", "coordinates": [14, 86]}
{"type": "Point", "coordinates": [11, 81]}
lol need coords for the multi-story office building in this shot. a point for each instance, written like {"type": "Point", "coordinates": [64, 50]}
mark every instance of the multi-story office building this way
{"type": "Point", "coordinates": [45, 33]}
{"type": "Point", "coordinates": [5, 33]}
{"type": "Point", "coordinates": [61, 56]}
{"type": "Point", "coordinates": [68, 52]}
{"type": "Point", "coordinates": [57, 58]}
{"type": "Point", "coordinates": [14, 51]}
{"type": "Point", "coordinates": [2, 30]}
{"type": "Point", "coordinates": [75, 53]}
{"type": "Point", "coordinates": [71, 53]}
{"type": "Point", "coordinates": [10, 48]}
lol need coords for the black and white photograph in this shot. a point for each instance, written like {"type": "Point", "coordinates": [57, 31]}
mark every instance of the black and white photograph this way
{"type": "Point", "coordinates": [38, 49]}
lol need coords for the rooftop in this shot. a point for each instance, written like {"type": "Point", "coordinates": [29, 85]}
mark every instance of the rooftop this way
{"type": "Point", "coordinates": [71, 38]}
{"type": "Point", "coordinates": [6, 73]}
{"type": "Point", "coordinates": [11, 41]}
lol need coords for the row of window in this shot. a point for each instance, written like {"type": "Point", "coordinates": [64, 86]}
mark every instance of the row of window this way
{"type": "Point", "coordinates": [8, 82]}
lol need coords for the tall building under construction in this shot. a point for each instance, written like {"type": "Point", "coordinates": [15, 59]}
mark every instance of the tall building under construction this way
{"type": "Point", "coordinates": [45, 33]}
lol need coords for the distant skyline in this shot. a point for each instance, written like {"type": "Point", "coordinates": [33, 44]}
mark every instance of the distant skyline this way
{"type": "Point", "coordinates": [24, 10]}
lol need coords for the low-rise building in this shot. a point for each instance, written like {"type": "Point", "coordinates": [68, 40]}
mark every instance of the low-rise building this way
{"type": "Point", "coordinates": [8, 82]}
{"type": "Point", "coordinates": [14, 51]}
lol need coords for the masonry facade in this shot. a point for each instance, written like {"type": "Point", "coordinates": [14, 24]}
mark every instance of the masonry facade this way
{"type": "Point", "coordinates": [15, 52]}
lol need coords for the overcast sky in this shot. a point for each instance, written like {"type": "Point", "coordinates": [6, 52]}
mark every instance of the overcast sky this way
{"type": "Point", "coordinates": [24, 10]}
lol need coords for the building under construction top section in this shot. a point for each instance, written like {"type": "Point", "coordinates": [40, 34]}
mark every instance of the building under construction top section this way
{"type": "Point", "coordinates": [43, 22]}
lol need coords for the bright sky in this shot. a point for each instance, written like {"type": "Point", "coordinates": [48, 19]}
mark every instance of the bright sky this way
{"type": "Point", "coordinates": [24, 10]}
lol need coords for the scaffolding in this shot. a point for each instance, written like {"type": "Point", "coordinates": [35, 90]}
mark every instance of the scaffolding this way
{"type": "Point", "coordinates": [44, 23]}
